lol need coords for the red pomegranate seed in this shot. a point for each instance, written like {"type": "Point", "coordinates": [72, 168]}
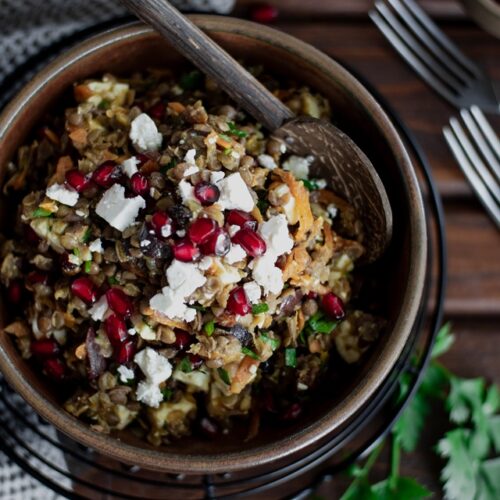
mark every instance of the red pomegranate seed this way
{"type": "Point", "coordinates": [143, 159]}
{"type": "Point", "coordinates": [182, 339]}
{"type": "Point", "coordinates": [162, 224]}
{"type": "Point", "coordinates": [44, 347]}
{"type": "Point", "coordinates": [312, 295]}
{"type": "Point", "coordinates": [15, 292]}
{"type": "Point", "coordinates": [139, 184]}
{"type": "Point", "coordinates": [124, 353]}
{"type": "Point", "coordinates": [238, 303]}
{"type": "Point", "coordinates": [157, 111]}
{"type": "Point", "coordinates": [333, 306]}
{"type": "Point", "coordinates": [185, 251]}
{"type": "Point", "coordinates": [206, 193]}
{"type": "Point", "coordinates": [84, 289]}
{"type": "Point", "coordinates": [196, 361]}
{"type": "Point", "coordinates": [242, 219]}
{"type": "Point", "coordinates": [119, 302]}
{"type": "Point", "coordinates": [263, 13]}
{"type": "Point", "coordinates": [292, 412]}
{"type": "Point", "coordinates": [252, 243]}
{"type": "Point", "coordinates": [105, 174]}
{"type": "Point", "coordinates": [35, 277]}
{"type": "Point", "coordinates": [31, 236]}
{"type": "Point", "coordinates": [201, 229]}
{"type": "Point", "coordinates": [218, 243]}
{"type": "Point", "coordinates": [116, 329]}
{"type": "Point", "coordinates": [55, 368]}
{"type": "Point", "coordinates": [77, 180]}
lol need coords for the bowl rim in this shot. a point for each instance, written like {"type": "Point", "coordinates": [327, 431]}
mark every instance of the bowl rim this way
{"type": "Point", "coordinates": [319, 429]}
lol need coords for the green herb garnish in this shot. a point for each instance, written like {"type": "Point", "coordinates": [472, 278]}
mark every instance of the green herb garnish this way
{"type": "Point", "coordinates": [112, 280]}
{"type": "Point", "coordinates": [248, 352]}
{"type": "Point", "coordinates": [291, 357]}
{"type": "Point", "coordinates": [224, 376]}
{"type": "Point", "coordinates": [198, 307]}
{"type": "Point", "coordinates": [191, 80]}
{"type": "Point", "coordinates": [275, 343]}
{"type": "Point", "coordinates": [86, 236]}
{"type": "Point", "coordinates": [225, 137]}
{"type": "Point", "coordinates": [167, 393]}
{"type": "Point", "coordinates": [311, 184]}
{"type": "Point", "coordinates": [233, 130]}
{"type": "Point", "coordinates": [41, 212]}
{"type": "Point", "coordinates": [228, 151]}
{"type": "Point", "coordinates": [185, 365]}
{"type": "Point", "coordinates": [76, 252]}
{"type": "Point", "coordinates": [319, 323]}
{"type": "Point", "coordinates": [209, 328]}
{"type": "Point", "coordinates": [87, 266]}
{"type": "Point", "coordinates": [260, 308]}
{"type": "Point", "coordinates": [104, 104]}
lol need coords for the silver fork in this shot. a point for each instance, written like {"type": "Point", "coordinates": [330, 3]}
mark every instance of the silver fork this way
{"type": "Point", "coordinates": [434, 56]}
{"type": "Point", "coordinates": [477, 151]}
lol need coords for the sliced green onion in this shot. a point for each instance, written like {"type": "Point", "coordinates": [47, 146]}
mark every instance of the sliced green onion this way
{"type": "Point", "coordinates": [112, 280]}
{"type": "Point", "coordinates": [224, 376]}
{"type": "Point", "coordinates": [41, 212]}
{"type": "Point", "coordinates": [185, 365]}
{"type": "Point", "coordinates": [318, 323]}
{"type": "Point", "coordinates": [228, 151]}
{"type": "Point", "coordinates": [233, 130]}
{"type": "Point", "coordinates": [248, 352]}
{"type": "Point", "coordinates": [76, 252]}
{"type": "Point", "coordinates": [87, 266]}
{"type": "Point", "coordinates": [167, 393]}
{"type": "Point", "coordinates": [260, 308]}
{"type": "Point", "coordinates": [275, 343]}
{"type": "Point", "coordinates": [86, 236]}
{"type": "Point", "coordinates": [225, 137]}
{"type": "Point", "coordinates": [209, 328]}
{"type": "Point", "coordinates": [291, 357]}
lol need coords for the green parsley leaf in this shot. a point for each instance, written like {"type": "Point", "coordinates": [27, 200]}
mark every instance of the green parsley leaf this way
{"type": "Point", "coordinates": [401, 487]}
{"type": "Point", "coordinates": [444, 340]}
{"type": "Point", "coordinates": [291, 357]}
{"type": "Point", "coordinates": [209, 328]}
{"type": "Point", "coordinates": [87, 266]}
{"type": "Point", "coordinates": [167, 393]}
{"type": "Point", "coordinates": [112, 280]}
{"type": "Point", "coordinates": [185, 365]}
{"type": "Point", "coordinates": [248, 352]}
{"type": "Point", "coordinates": [224, 376]}
{"type": "Point", "coordinates": [233, 130]}
{"type": "Point", "coordinates": [86, 236]}
{"type": "Point", "coordinates": [310, 184]}
{"type": "Point", "coordinates": [319, 323]}
{"type": "Point", "coordinates": [275, 343]}
{"type": "Point", "coordinates": [104, 104]}
{"type": "Point", "coordinates": [191, 80]}
{"type": "Point", "coordinates": [41, 212]}
{"type": "Point", "coordinates": [260, 308]}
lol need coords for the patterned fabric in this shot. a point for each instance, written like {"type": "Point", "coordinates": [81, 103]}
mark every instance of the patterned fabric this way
{"type": "Point", "coordinates": [26, 27]}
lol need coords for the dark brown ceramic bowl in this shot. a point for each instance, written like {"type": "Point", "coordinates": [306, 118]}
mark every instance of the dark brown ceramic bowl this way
{"type": "Point", "coordinates": [400, 274]}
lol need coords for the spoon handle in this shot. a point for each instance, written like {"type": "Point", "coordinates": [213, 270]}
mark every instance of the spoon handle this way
{"type": "Point", "coordinates": [206, 55]}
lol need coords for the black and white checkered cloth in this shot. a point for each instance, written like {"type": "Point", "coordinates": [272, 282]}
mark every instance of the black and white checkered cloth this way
{"type": "Point", "coordinates": [26, 27]}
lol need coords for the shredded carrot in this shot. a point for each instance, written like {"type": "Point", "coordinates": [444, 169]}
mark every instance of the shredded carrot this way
{"type": "Point", "coordinates": [223, 143]}
{"type": "Point", "coordinates": [176, 107]}
{"type": "Point", "coordinates": [79, 137]}
{"type": "Point", "coordinates": [244, 374]}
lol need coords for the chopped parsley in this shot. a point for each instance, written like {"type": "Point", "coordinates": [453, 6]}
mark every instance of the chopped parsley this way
{"type": "Point", "coordinates": [41, 212]}
{"type": "Point", "coordinates": [86, 236]}
{"type": "Point", "coordinates": [209, 328]}
{"type": "Point", "coordinates": [228, 151]}
{"type": "Point", "coordinates": [275, 343]}
{"type": "Point", "coordinates": [248, 352]}
{"type": "Point", "coordinates": [112, 280]}
{"type": "Point", "coordinates": [191, 80]}
{"type": "Point", "coordinates": [76, 252]}
{"type": "Point", "coordinates": [319, 323]}
{"type": "Point", "coordinates": [104, 104]}
{"type": "Point", "coordinates": [167, 393]}
{"type": "Point", "coordinates": [291, 357]}
{"type": "Point", "coordinates": [185, 365]}
{"type": "Point", "coordinates": [87, 266]}
{"type": "Point", "coordinates": [260, 308]}
{"type": "Point", "coordinates": [224, 376]}
{"type": "Point", "coordinates": [310, 184]}
{"type": "Point", "coordinates": [233, 130]}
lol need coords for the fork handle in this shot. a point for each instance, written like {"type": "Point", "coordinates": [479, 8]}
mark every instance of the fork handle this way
{"type": "Point", "coordinates": [206, 55]}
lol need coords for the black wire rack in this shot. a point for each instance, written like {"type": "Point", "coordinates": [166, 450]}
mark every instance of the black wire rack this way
{"type": "Point", "coordinates": [81, 473]}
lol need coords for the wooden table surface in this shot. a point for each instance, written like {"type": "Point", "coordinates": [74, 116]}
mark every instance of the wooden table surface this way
{"type": "Point", "coordinates": [341, 28]}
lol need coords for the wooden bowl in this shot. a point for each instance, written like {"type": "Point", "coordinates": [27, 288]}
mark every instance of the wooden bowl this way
{"type": "Point", "coordinates": [400, 274]}
{"type": "Point", "coordinates": [486, 13]}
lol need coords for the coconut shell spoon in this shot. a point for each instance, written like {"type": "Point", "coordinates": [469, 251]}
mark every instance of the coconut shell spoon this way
{"type": "Point", "coordinates": [351, 173]}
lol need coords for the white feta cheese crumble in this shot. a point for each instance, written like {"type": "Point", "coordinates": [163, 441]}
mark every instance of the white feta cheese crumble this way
{"type": "Point", "coordinates": [299, 166]}
{"type": "Point", "coordinates": [275, 233]}
{"type": "Point", "coordinates": [74, 259]}
{"type": "Point", "coordinates": [282, 148]}
{"type": "Point", "coordinates": [190, 156]}
{"type": "Point", "coordinates": [132, 331]}
{"type": "Point", "coordinates": [100, 309]}
{"type": "Point", "coordinates": [233, 229]}
{"type": "Point", "coordinates": [235, 254]}
{"type": "Point", "coordinates": [332, 210]}
{"type": "Point", "coordinates": [235, 194]}
{"type": "Point", "coordinates": [267, 161]}
{"type": "Point", "coordinates": [321, 183]}
{"type": "Point", "coordinates": [266, 274]}
{"type": "Point", "coordinates": [63, 194]}
{"type": "Point", "coordinates": [129, 166]}
{"type": "Point", "coordinates": [205, 263]}
{"type": "Point", "coordinates": [193, 169]}
{"type": "Point", "coordinates": [125, 373]}
{"type": "Point", "coordinates": [215, 177]}
{"type": "Point", "coordinates": [156, 369]}
{"type": "Point", "coordinates": [144, 134]}
{"type": "Point", "coordinates": [117, 210]}
{"type": "Point", "coordinates": [186, 190]}
{"type": "Point", "coordinates": [96, 246]}
{"type": "Point", "coordinates": [80, 213]}
{"type": "Point", "coordinates": [180, 233]}
{"type": "Point", "coordinates": [253, 291]}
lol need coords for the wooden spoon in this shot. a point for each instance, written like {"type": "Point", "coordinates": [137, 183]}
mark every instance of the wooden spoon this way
{"type": "Point", "coordinates": [352, 175]}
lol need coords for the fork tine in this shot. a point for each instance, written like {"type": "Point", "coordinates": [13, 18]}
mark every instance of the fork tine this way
{"type": "Point", "coordinates": [474, 159]}
{"type": "Point", "coordinates": [438, 35]}
{"type": "Point", "coordinates": [475, 181]}
{"type": "Point", "coordinates": [396, 41]}
{"type": "Point", "coordinates": [482, 144]}
{"type": "Point", "coordinates": [415, 46]}
{"type": "Point", "coordinates": [488, 132]}
{"type": "Point", "coordinates": [441, 55]}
